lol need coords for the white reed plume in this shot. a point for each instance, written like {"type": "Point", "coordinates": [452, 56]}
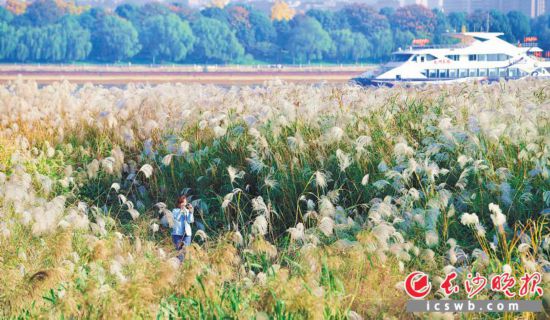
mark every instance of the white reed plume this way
{"type": "Point", "coordinates": [469, 219]}
{"type": "Point", "coordinates": [184, 147]}
{"type": "Point", "coordinates": [326, 225]}
{"type": "Point", "coordinates": [258, 204]}
{"type": "Point", "coordinates": [167, 217]}
{"type": "Point", "coordinates": [108, 165]}
{"type": "Point", "coordinates": [498, 218]}
{"type": "Point", "coordinates": [334, 135]}
{"type": "Point", "coordinates": [402, 150]}
{"type": "Point", "coordinates": [237, 238]}
{"type": "Point", "coordinates": [256, 164]}
{"type": "Point", "coordinates": [480, 230]}
{"type": "Point", "coordinates": [333, 195]}
{"type": "Point", "coordinates": [167, 160]}
{"type": "Point", "coordinates": [93, 168]}
{"type": "Point", "coordinates": [259, 227]}
{"type": "Point", "coordinates": [365, 180]}
{"type": "Point", "coordinates": [133, 212]}
{"type": "Point", "coordinates": [326, 208]}
{"type": "Point", "coordinates": [296, 233]}
{"type": "Point", "coordinates": [115, 186]}
{"type": "Point", "coordinates": [432, 238]}
{"type": "Point", "coordinates": [219, 131]}
{"type": "Point", "coordinates": [361, 142]}
{"type": "Point", "coordinates": [344, 160]}
{"type": "Point", "coordinates": [320, 179]}
{"type": "Point", "coordinates": [154, 227]}
{"type": "Point", "coordinates": [201, 235]}
{"type": "Point", "coordinates": [234, 173]}
{"type": "Point", "coordinates": [147, 170]}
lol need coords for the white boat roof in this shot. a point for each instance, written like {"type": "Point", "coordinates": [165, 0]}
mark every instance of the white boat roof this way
{"type": "Point", "coordinates": [472, 43]}
{"type": "Point", "coordinates": [483, 35]}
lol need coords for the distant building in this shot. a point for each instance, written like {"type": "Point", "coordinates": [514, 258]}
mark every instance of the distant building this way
{"type": "Point", "coordinates": [435, 4]}
{"type": "Point", "coordinates": [457, 6]}
{"type": "Point", "coordinates": [409, 2]}
{"type": "Point", "coordinates": [532, 8]}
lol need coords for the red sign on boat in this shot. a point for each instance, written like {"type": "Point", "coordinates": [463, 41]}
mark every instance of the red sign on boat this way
{"type": "Point", "coordinates": [421, 42]}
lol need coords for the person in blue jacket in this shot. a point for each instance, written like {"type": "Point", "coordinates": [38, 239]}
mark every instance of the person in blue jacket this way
{"type": "Point", "coordinates": [181, 231]}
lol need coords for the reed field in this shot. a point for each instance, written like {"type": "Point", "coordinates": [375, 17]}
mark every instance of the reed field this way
{"type": "Point", "coordinates": [312, 201]}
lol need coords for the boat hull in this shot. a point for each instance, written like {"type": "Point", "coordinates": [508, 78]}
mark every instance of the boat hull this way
{"type": "Point", "coordinates": [366, 82]}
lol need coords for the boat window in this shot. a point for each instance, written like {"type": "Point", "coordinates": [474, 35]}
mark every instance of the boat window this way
{"type": "Point", "coordinates": [453, 73]}
{"type": "Point", "coordinates": [493, 73]}
{"type": "Point", "coordinates": [481, 57]}
{"type": "Point", "coordinates": [433, 74]}
{"type": "Point", "coordinates": [482, 72]}
{"type": "Point", "coordinates": [463, 73]}
{"type": "Point", "coordinates": [454, 57]}
{"type": "Point", "coordinates": [401, 57]}
{"type": "Point", "coordinates": [429, 57]}
{"type": "Point", "coordinates": [443, 73]}
{"type": "Point", "coordinates": [502, 72]}
{"type": "Point", "coordinates": [513, 72]}
{"type": "Point", "coordinates": [472, 57]}
{"type": "Point", "coordinates": [473, 72]}
{"type": "Point", "coordinates": [498, 57]}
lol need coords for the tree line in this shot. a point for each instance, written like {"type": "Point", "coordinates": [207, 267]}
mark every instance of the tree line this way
{"type": "Point", "coordinates": [238, 33]}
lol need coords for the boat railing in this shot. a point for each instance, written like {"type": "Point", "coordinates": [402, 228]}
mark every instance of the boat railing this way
{"type": "Point", "coordinates": [439, 46]}
{"type": "Point", "coordinates": [528, 45]}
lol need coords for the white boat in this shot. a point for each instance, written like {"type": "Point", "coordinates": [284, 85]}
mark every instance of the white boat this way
{"type": "Point", "coordinates": [481, 56]}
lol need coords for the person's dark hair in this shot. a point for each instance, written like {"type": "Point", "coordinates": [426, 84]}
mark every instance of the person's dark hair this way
{"type": "Point", "coordinates": [181, 199]}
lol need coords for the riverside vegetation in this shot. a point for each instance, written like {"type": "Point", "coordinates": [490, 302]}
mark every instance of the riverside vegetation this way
{"type": "Point", "coordinates": [311, 201]}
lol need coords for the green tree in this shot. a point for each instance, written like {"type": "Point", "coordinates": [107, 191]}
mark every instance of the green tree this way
{"type": "Point", "coordinates": [415, 18]}
{"type": "Point", "coordinates": [328, 19]}
{"type": "Point", "coordinates": [519, 25]}
{"type": "Point", "coordinates": [219, 14]}
{"type": "Point", "coordinates": [457, 21]}
{"type": "Point", "coordinates": [114, 39]}
{"type": "Point", "coordinates": [90, 19]}
{"type": "Point", "coordinates": [5, 15]}
{"type": "Point", "coordinates": [382, 44]}
{"type": "Point", "coordinates": [131, 12]}
{"type": "Point", "coordinates": [253, 29]}
{"type": "Point", "coordinates": [8, 40]}
{"type": "Point", "coordinates": [442, 27]}
{"type": "Point", "coordinates": [364, 19]}
{"type": "Point", "coordinates": [77, 40]}
{"type": "Point", "coordinates": [541, 29]}
{"type": "Point", "coordinates": [33, 43]}
{"type": "Point", "coordinates": [44, 12]}
{"type": "Point", "coordinates": [349, 46]}
{"type": "Point", "coordinates": [308, 40]}
{"type": "Point", "coordinates": [215, 42]}
{"type": "Point", "coordinates": [402, 39]}
{"type": "Point", "coordinates": [498, 22]}
{"type": "Point", "coordinates": [166, 37]}
{"type": "Point", "coordinates": [477, 21]}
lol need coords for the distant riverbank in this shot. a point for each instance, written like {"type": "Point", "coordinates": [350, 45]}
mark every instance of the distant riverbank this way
{"type": "Point", "coordinates": [224, 75]}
